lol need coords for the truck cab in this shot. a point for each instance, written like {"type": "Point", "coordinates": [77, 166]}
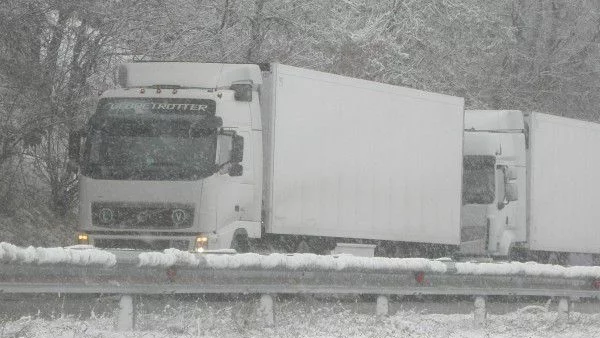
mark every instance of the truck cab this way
{"type": "Point", "coordinates": [493, 215]}
{"type": "Point", "coordinates": [168, 160]}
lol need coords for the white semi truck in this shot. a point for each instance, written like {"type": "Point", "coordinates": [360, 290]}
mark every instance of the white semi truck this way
{"type": "Point", "coordinates": [197, 156]}
{"type": "Point", "coordinates": [531, 184]}
{"type": "Point", "coordinates": [203, 156]}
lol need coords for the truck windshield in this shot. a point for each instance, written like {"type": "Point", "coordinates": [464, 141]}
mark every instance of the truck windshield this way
{"type": "Point", "coordinates": [478, 179]}
{"type": "Point", "coordinates": [135, 148]}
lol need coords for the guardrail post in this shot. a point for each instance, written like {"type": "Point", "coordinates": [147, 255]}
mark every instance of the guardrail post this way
{"type": "Point", "coordinates": [564, 306]}
{"type": "Point", "coordinates": [126, 315]}
{"type": "Point", "coordinates": [265, 310]}
{"type": "Point", "coordinates": [382, 305]}
{"type": "Point", "coordinates": [480, 312]}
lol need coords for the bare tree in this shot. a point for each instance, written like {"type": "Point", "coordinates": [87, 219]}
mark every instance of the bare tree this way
{"type": "Point", "coordinates": [56, 55]}
{"type": "Point", "coordinates": [551, 63]}
{"type": "Point", "coordinates": [53, 48]}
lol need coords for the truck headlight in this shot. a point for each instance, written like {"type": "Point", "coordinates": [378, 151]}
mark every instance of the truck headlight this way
{"type": "Point", "coordinates": [201, 242]}
{"type": "Point", "coordinates": [82, 238]}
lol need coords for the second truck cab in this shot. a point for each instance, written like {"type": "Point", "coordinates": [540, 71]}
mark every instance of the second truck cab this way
{"type": "Point", "coordinates": [494, 182]}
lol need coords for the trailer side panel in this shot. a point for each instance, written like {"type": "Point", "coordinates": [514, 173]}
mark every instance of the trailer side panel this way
{"type": "Point", "coordinates": [359, 159]}
{"type": "Point", "coordinates": [565, 184]}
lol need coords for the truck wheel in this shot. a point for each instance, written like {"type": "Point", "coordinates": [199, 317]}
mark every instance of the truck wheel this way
{"type": "Point", "coordinates": [557, 258]}
{"type": "Point", "coordinates": [240, 243]}
{"type": "Point", "coordinates": [303, 247]}
{"type": "Point", "coordinates": [518, 254]}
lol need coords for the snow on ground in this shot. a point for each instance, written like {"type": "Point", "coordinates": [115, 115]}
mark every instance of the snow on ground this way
{"type": "Point", "coordinates": [297, 319]}
{"type": "Point", "coordinates": [72, 255]}
{"type": "Point", "coordinates": [529, 269]}
{"type": "Point", "coordinates": [86, 255]}
{"type": "Point", "coordinates": [172, 257]}
{"type": "Point", "coordinates": [36, 225]}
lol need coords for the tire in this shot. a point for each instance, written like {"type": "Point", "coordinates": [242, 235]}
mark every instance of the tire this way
{"type": "Point", "coordinates": [303, 247]}
{"type": "Point", "coordinates": [518, 254]}
{"type": "Point", "coordinates": [240, 243]}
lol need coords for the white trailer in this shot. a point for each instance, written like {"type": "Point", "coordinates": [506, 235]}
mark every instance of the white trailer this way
{"type": "Point", "coordinates": [323, 156]}
{"type": "Point", "coordinates": [352, 158]}
{"type": "Point", "coordinates": [564, 184]}
{"type": "Point", "coordinates": [531, 185]}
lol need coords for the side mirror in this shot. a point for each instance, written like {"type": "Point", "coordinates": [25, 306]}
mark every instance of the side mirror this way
{"type": "Point", "coordinates": [231, 153]}
{"type": "Point", "coordinates": [511, 192]}
{"type": "Point", "coordinates": [237, 149]}
{"type": "Point", "coordinates": [510, 174]}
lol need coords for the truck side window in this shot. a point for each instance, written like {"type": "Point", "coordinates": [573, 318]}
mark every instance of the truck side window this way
{"type": "Point", "coordinates": [478, 179]}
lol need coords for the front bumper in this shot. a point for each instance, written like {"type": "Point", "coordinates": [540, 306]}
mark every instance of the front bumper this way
{"type": "Point", "coordinates": [154, 242]}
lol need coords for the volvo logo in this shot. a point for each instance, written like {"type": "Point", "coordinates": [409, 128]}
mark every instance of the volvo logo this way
{"type": "Point", "coordinates": [178, 216]}
{"type": "Point", "coordinates": [106, 215]}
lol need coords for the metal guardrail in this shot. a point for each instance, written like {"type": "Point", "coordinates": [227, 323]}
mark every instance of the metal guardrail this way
{"type": "Point", "coordinates": [128, 278]}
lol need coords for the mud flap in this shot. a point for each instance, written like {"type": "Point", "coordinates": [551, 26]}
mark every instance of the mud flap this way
{"type": "Point", "coordinates": [507, 239]}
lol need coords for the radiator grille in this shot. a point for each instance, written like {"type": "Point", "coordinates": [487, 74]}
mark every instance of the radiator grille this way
{"type": "Point", "coordinates": [142, 215]}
